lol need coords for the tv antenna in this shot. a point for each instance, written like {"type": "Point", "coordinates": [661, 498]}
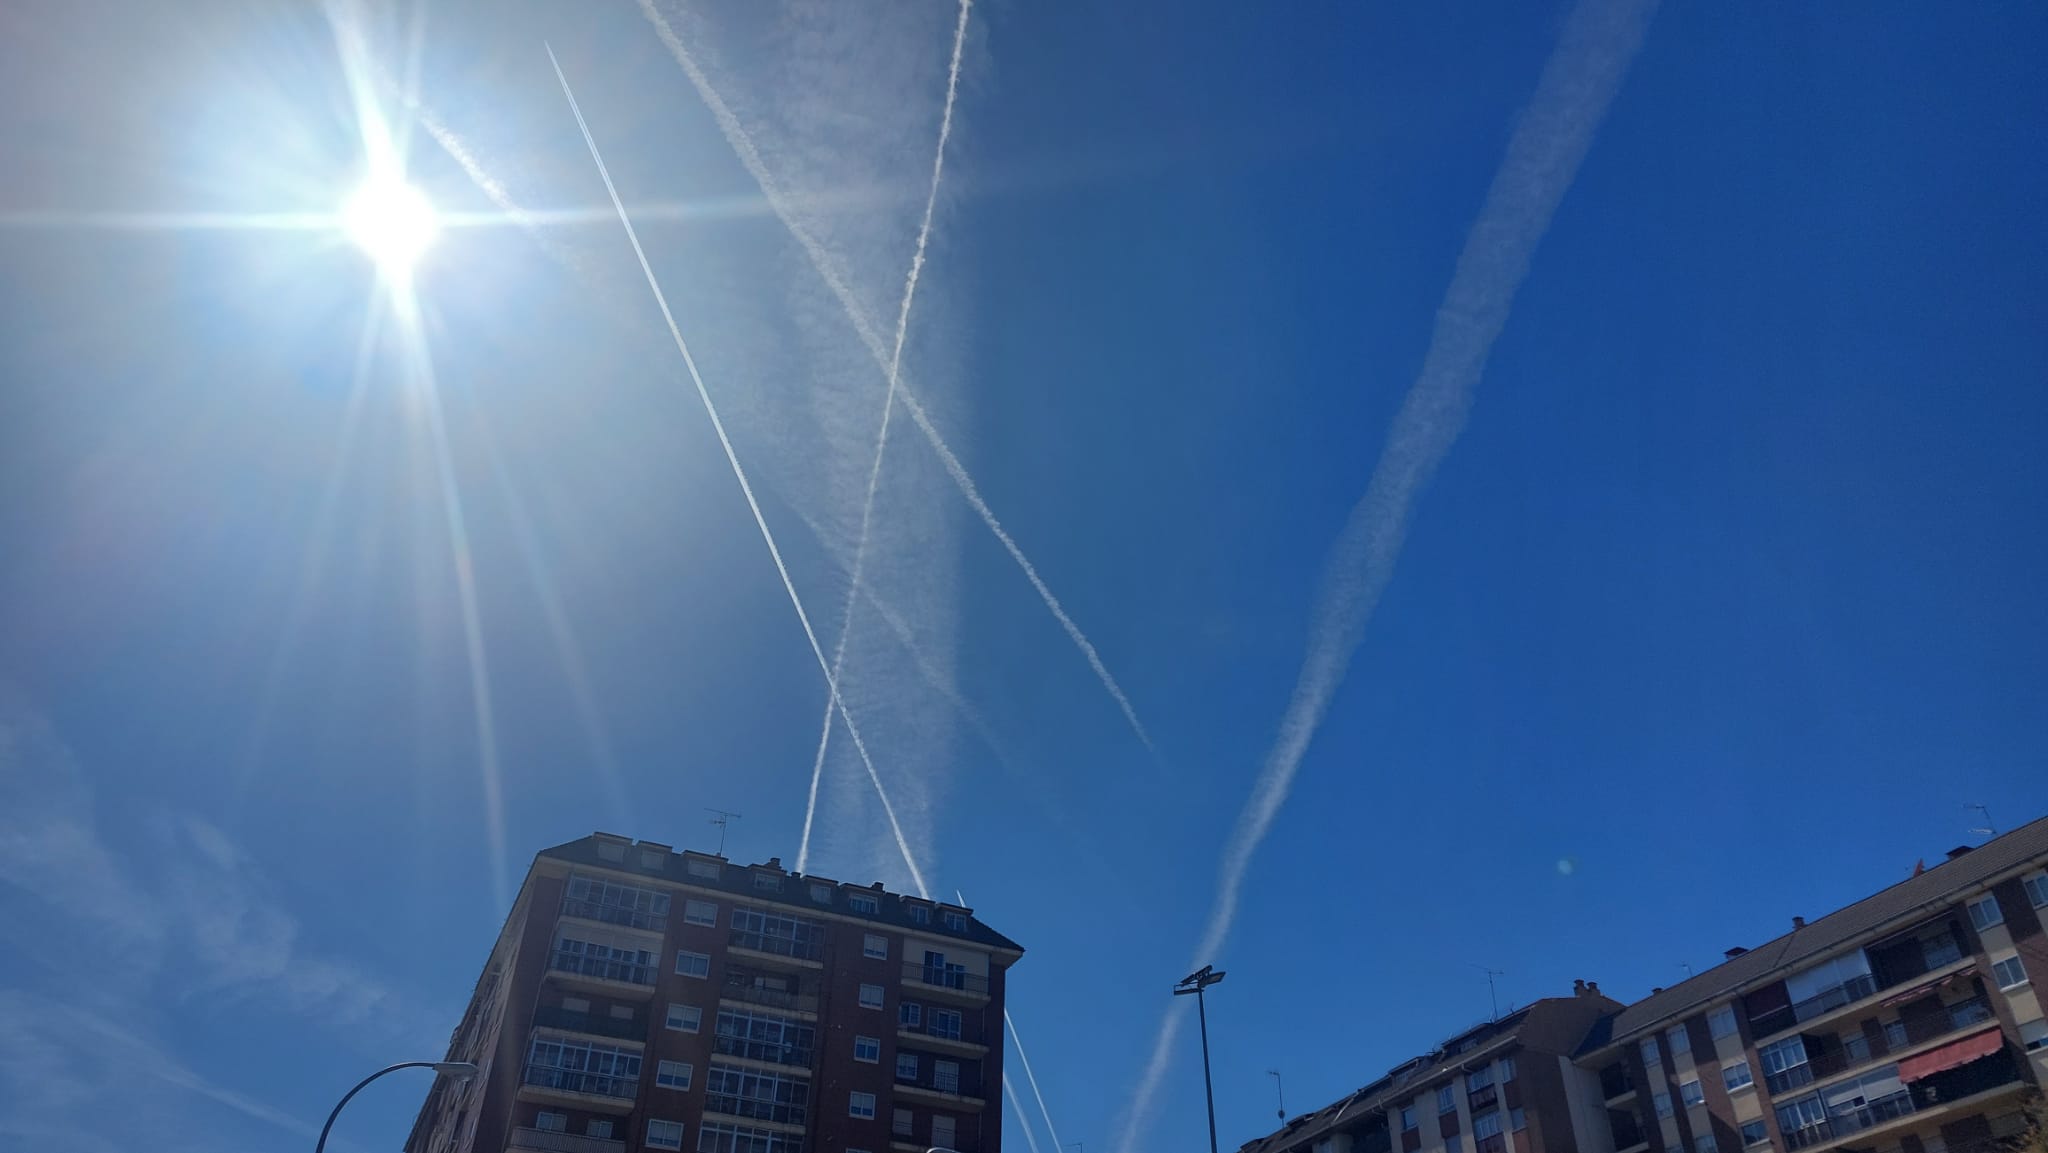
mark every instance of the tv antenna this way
{"type": "Point", "coordinates": [1687, 966]}
{"type": "Point", "coordinates": [721, 818]}
{"type": "Point", "coordinates": [1279, 1092]}
{"type": "Point", "coordinates": [1492, 998]}
{"type": "Point", "coordinates": [1989, 829]}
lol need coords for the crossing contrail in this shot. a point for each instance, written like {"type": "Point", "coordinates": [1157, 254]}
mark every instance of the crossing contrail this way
{"type": "Point", "coordinates": [739, 474]}
{"type": "Point", "coordinates": [1593, 52]}
{"type": "Point", "coordinates": [1030, 1076]}
{"type": "Point", "coordinates": [1024, 1122]}
{"type": "Point", "coordinates": [827, 269]}
{"type": "Point", "coordinates": [867, 507]}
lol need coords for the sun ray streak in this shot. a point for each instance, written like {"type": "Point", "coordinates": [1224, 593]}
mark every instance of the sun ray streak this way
{"type": "Point", "coordinates": [867, 505]}
{"type": "Point", "coordinates": [739, 474]}
{"type": "Point", "coordinates": [828, 271]}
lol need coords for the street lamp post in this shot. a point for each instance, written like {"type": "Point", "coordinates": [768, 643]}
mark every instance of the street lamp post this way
{"type": "Point", "coordinates": [1194, 983]}
{"type": "Point", "coordinates": [454, 1070]}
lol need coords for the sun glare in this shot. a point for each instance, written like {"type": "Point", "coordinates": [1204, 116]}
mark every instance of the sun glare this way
{"type": "Point", "coordinates": [392, 222]}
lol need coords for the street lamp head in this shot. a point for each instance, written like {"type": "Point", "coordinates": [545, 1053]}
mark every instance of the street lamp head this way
{"type": "Point", "coordinates": [455, 1070]}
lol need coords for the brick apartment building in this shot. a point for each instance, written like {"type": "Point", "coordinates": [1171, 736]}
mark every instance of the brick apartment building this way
{"type": "Point", "coordinates": [640, 998]}
{"type": "Point", "coordinates": [1908, 1022]}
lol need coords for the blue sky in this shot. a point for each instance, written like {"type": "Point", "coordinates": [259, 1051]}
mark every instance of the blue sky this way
{"type": "Point", "coordinates": [1724, 590]}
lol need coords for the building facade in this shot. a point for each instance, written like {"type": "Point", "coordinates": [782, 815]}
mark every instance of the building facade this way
{"type": "Point", "coordinates": [1908, 1022]}
{"type": "Point", "coordinates": [639, 998]}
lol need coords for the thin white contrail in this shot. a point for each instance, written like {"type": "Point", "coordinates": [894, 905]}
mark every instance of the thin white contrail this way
{"type": "Point", "coordinates": [1017, 1106]}
{"type": "Point", "coordinates": [828, 271]}
{"type": "Point", "coordinates": [1598, 41]}
{"type": "Point", "coordinates": [1018, 1041]}
{"type": "Point", "coordinates": [867, 506]}
{"type": "Point", "coordinates": [739, 474]}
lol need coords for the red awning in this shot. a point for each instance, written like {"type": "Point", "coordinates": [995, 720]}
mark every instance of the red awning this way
{"type": "Point", "coordinates": [1919, 991]}
{"type": "Point", "coordinates": [1974, 1047]}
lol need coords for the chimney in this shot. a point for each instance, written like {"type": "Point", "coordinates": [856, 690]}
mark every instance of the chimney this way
{"type": "Point", "coordinates": [775, 862]}
{"type": "Point", "coordinates": [1958, 851]}
{"type": "Point", "coordinates": [1656, 989]}
{"type": "Point", "coordinates": [1735, 952]}
{"type": "Point", "coordinates": [1798, 923]}
{"type": "Point", "coordinates": [1592, 988]}
{"type": "Point", "coordinates": [1578, 987]}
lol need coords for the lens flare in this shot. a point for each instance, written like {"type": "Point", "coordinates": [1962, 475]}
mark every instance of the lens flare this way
{"type": "Point", "coordinates": [392, 222]}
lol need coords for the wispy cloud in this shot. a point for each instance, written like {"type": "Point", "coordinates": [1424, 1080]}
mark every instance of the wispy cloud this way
{"type": "Point", "coordinates": [867, 506]}
{"type": "Point", "coordinates": [1599, 40]}
{"type": "Point", "coordinates": [829, 270]}
{"type": "Point", "coordinates": [739, 474]}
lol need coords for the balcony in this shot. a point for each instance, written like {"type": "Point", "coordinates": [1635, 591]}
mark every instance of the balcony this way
{"type": "Point", "coordinates": [756, 1109]}
{"type": "Point", "coordinates": [615, 915]}
{"type": "Point", "coordinates": [1935, 1093]}
{"type": "Point", "coordinates": [969, 1035]}
{"type": "Point", "coordinates": [1481, 1099]}
{"type": "Point", "coordinates": [549, 1141]}
{"type": "Point", "coordinates": [1857, 1050]}
{"type": "Point", "coordinates": [1616, 1081]}
{"type": "Point", "coordinates": [775, 1052]}
{"type": "Point", "coordinates": [1849, 1122]}
{"type": "Point", "coordinates": [594, 1090]}
{"type": "Point", "coordinates": [951, 978]}
{"type": "Point", "coordinates": [640, 977]}
{"type": "Point", "coordinates": [776, 945]}
{"type": "Point", "coordinates": [1925, 950]}
{"type": "Point", "coordinates": [741, 986]}
{"type": "Point", "coordinates": [570, 1020]}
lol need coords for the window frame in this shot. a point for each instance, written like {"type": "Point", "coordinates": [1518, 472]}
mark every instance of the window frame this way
{"type": "Point", "coordinates": [1696, 1095]}
{"type": "Point", "coordinates": [1518, 1119]}
{"type": "Point", "coordinates": [2036, 886]}
{"type": "Point", "coordinates": [549, 1121]}
{"type": "Point", "coordinates": [1661, 1102]}
{"type": "Point", "coordinates": [1408, 1122]}
{"type": "Point", "coordinates": [1678, 1040]}
{"type": "Point", "coordinates": [1446, 1099]}
{"type": "Point", "coordinates": [1763, 1136]}
{"type": "Point", "coordinates": [863, 903]}
{"type": "Point", "coordinates": [1653, 1058]}
{"type": "Point", "coordinates": [853, 1105]}
{"type": "Point", "coordinates": [907, 1066]}
{"type": "Point", "coordinates": [662, 1068]}
{"type": "Point", "coordinates": [1724, 1013]}
{"type": "Point", "coordinates": [692, 905]}
{"type": "Point", "coordinates": [860, 1042]}
{"type": "Point", "coordinates": [1988, 901]}
{"type": "Point", "coordinates": [669, 1020]}
{"type": "Point", "coordinates": [1999, 964]}
{"type": "Point", "coordinates": [649, 1140]}
{"type": "Point", "coordinates": [1748, 1076]}
{"type": "Point", "coordinates": [881, 997]}
{"type": "Point", "coordinates": [875, 946]}
{"type": "Point", "coordinates": [693, 957]}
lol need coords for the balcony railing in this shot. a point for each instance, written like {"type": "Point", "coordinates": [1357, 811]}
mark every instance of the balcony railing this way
{"type": "Point", "coordinates": [589, 966]}
{"type": "Point", "coordinates": [549, 1141]}
{"type": "Point", "coordinates": [778, 945]}
{"type": "Point", "coordinates": [738, 988]}
{"type": "Point", "coordinates": [781, 1053]}
{"type": "Point", "coordinates": [1482, 1098]}
{"type": "Point", "coordinates": [1861, 1050]}
{"type": "Point", "coordinates": [575, 1081]}
{"type": "Point", "coordinates": [947, 977]}
{"type": "Point", "coordinates": [615, 915]}
{"type": "Point", "coordinates": [969, 1031]}
{"type": "Point", "coordinates": [736, 1105]}
{"type": "Point", "coordinates": [1851, 1121]}
{"type": "Point", "coordinates": [556, 1017]}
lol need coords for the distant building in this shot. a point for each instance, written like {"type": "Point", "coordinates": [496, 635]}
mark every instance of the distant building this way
{"type": "Point", "coordinates": [644, 999]}
{"type": "Point", "coordinates": [1908, 1022]}
{"type": "Point", "coordinates": [1507, 1086]}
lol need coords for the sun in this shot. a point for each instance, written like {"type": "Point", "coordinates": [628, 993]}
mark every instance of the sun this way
{"type": "Point", "coordinates": [392, 222]}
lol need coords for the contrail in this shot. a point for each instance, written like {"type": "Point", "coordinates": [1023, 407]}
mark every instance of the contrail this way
{"type": "Point", "coordinates": [1593, 53]}
{"type": "Point", "coordinates": [827, 270]}
{"type": "Point", "coordinates": [1010, 1091]}
{"type": "Point", "coordinates": [739, 474]}
{"type": "Point", "coordinates": [1030, 1076]}
{"type": "Point", "coordinates": [867, 507]}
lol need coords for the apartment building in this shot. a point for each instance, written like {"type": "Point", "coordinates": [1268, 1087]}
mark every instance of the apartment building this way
{"type": "Point", "coordinates": [640, 998]}
{"type": "Point", "coordinates": [1908, 1022]}
{"type": "Point", "coordinates": [1505, 1086]}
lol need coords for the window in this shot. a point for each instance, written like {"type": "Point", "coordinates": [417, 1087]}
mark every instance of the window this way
{"type": "Point", "coordinates": [582, 1067]}
{"type": "Point", "coordinates": [602, 1130]}
{"type": "Point", "coordinates": [673, 1074]}
{"type": "Point", "coordinates": [1984, 912]}
{"type": "Point", "coordinates": [610, 851]}
{"type": "Point", "coordinates": [1507, 1069]}
{"type": "Point", "coordinates": [822, 894]}
{"type": "Point", "coordinates": [600, 900]}
{"type": "Point", "coordinates": [862, 903]}
{"type": "Point", "coordinates": [870, 996]}
{"type": "Point", "coordinates": [1755, 1133]}
{"type": "Point", "coordinates": [1407, 1118]}
{"type": "Point", "coordinates": [576, 1004]}
{"type": "Point", "coordinates": [1704, 1143]}
{"type": "Point", "coordinates": [765, 1037]}
{"type": "Point", "coordinates": [901, 1122]}
{"type": "Point", "coordinates": [2010, 973]}
{"type": "Point", "coordinates": [2034, 1035]}
{"type": "Point", "coordinates": [1778, 1056]}
{"type": "Point", "coordinates": [552, 1122]}
{"type": "Point", "coordinates": [1651, 1061]}
{"type": "Point", "coordinates": [1735, 1075]}
{"type": "Point", "coordinates": [783, 1098]}
{"type": "Point", "coordinates": [868, 1050]}
{"type": "Point", "coordinates": [945, 1023]}
{"type": "Point", "coordinates": [685, 1018]}
{"type": "Point", "coordinates": [1517, 1120]}
{"type": "Point", "coordinates": [1721, 1022]}
{"type": "Point", "coordinates": [1478, 1079]}
{"type": "Point", "coordinates": [664, 1134]}
{"type": "Point", "coordinates": [778, 933]}
{"type": "Point", "coordinates": [768, 882]}
{"type": "Point", "coordinates": [942, 1131]}
{"type": "Point", "coordinates": [693, 964]}
{"type": "Point", "coordinates": [860, 1105]}
{"type": "Point", "coordinates": [1676, 1040]}
{"type": "Point", "coordinates": [1486, 1125]}
{"type": "Point", "coordinates": [921, 914]}
{"type": "Point", "coordinates": [1663, 1103]}
{"type": "Point", "coordinates": [874, 946]}
{"type": "Point", "coordinates": [706, 869]}
{"type": "Point", "coordinates": [700, 913]}
{"type": "Point", "coordinates": [652, 858]}
{"type": "Point", "coordinates": [906, 1066]}
{"type": "Point", "coordinates": [2037, 890]}
{"type": "Point", "coordinates": [717, 1137]}
{"type": "Point", "coordinates": [946, 1076]}
{"type": "Point", "coordinates": [1691, 1093]}
{"type": "Point", "coordinates": [955, 921]}
{"type": "Point", "coordinates": [909, 1015]}
{"type": "Point", "coordinates": [1446, 1099]}
{"type": "Point", "coordinates": [1454, 1144]}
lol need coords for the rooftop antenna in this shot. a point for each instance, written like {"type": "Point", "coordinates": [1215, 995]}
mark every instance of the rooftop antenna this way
{"type": "Point", "coordinates": [1279, 1092]}
{"type": "Point", "coordinates": [721, 818]}
{"type": "Point", "coordinates": [1492, 998]}
{"type": "Point", "coordinates": [1989, 829]}
{"type": "Point", "coordinates": [1687, 966]}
